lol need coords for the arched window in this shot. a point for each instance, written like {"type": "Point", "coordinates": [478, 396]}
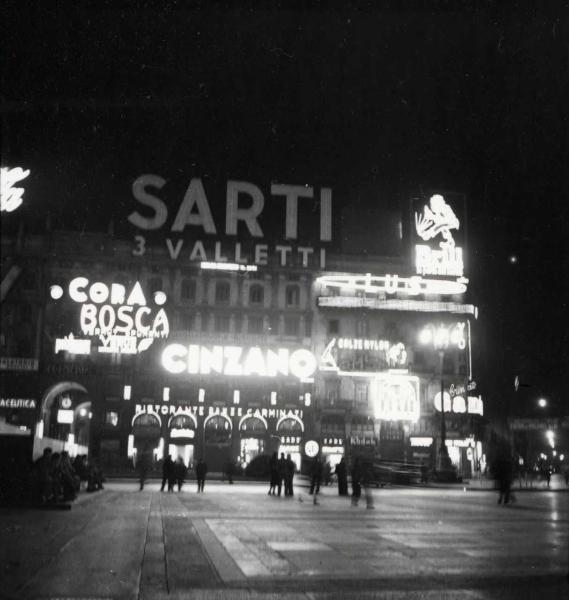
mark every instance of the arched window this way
{"type": "Point", "coordinates": [256, 294]}
{"type": "Point", "coordinates": [188, 291]}
{"type": "Point", "coordinates": [292, 295]}
{"type": "Point", "coordinates": [222, 291]}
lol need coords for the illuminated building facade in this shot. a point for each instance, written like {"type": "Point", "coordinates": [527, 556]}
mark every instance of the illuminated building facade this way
{"type": "Point", "coordinates": [231, 347]}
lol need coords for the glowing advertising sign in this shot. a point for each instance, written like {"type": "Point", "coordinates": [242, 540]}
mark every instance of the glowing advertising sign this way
{"type": "Point", "coordinates": [396, 398]}
{"type": "Point", "coordinates": [237, 360]}
{"type": "Point", "coordinates": [311, 448]}
{"type": "Point", "coordinates": [392, 284]}
{"type": "Point", "coordinates": [64, 416]}
{"type": "Point", "coordinates": [206, 411]}
{"type": "Point", "coordinates": [123, 322]}
{"type": "Point", "coordinates": [345, 355]}
{"type": "Point", "coordinates": [10, 196]}
{"type": "Point", "coordinates": [459, 405]}
{"type": "Point", "coordinates": [444, 336]}
{"type": "Point", "coordinates": [244, 205]}
{"type": "Point", "coordinates": [435, 221]}
{"type": "Point", "coordinates": [17, 403]}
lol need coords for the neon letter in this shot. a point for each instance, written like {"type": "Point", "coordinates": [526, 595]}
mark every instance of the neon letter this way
{"type": "Point", "coordinates": [160, 210]}
{"type": "Point", "coordinates": [194, 196]}
{"type": "Point", "coordinates": [249, 215]}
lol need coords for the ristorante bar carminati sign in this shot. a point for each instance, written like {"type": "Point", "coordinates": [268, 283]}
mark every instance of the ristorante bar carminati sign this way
{"type": "Point", "coordinates": [192, 231]}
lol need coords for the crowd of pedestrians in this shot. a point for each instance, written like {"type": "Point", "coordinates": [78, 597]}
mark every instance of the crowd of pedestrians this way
{"type": "Point", "coordinates": [58, 479]}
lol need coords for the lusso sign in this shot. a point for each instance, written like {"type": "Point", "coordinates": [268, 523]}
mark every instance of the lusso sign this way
{"type": "Point", "coordinates": [237, 360]}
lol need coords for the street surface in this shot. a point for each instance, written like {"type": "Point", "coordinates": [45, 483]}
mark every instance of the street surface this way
{"type": "Point", "coordinates": [235, 541]}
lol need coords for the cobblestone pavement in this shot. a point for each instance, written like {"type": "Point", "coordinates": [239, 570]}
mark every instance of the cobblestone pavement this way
{"type": "Point", "coordinates": [235, 541]}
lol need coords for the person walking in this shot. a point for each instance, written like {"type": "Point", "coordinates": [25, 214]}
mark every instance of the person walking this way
{"type": "Point", "coordinates": [143, 465]}
{"type": "Point", "coordinates": [273, 473]}
{"type": "Point", "coordinates": [179, 472]}
{"type": "Point", "coordinates": [167, 474]}
{"type": "Point", "coordinates": [316, 479]}
{"type": "Point", "coordinates": [201, 472]}
{"type": "Point", "coordinates": [281, 468]}
{"type": "Point", "coordinates": [503, 473]}
{"type": "Point", "coordinates": [356, 482]}
{"type": "Point", "coordinates": [342, 475]}
{"type": "Point", "coordinates": [290, 468]}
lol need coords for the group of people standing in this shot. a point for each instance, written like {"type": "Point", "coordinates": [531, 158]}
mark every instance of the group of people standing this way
{"type": "Point", "coordinates": [173, 472]}
{"type": "Point", "coordinates": [281, 471]}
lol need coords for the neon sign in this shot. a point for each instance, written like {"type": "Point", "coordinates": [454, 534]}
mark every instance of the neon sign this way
{"type": "Point", "coordinates": [123, 322]}
{"type": "Point", "coordinates": [10, 196]}
{"type": "Point", "coordinates": [396, 399]}
{"type": "Point", "coordinates": [397, 305]}
{"type": "Point", "coordinates": [390, 355]}
{"type": "Point", "coordinates": [236, 361]}
{"type": "Point", "coordinates": [442, 336]}
{"type": "Point", "coordinates": [393, 284]}
{"type": "Point", "coordinates": [438, 218]}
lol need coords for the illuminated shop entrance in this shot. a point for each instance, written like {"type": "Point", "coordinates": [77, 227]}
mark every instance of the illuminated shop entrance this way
{"type": "Point", "coordinates": [182, 435]}
{"type": "Point", "coordinates": [290, 430]}
{"type": "Point", "coordinates": [217, 441]}
{"type": "Point", "coordinates": [333, 435]}
{"type": "Point", "coordinates": [253, 431]}
{"type": "Point", "coordinates": [145, 435]}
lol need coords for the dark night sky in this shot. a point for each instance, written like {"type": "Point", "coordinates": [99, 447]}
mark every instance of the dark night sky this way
{"type": "Point", "coordinates": [375, 103]}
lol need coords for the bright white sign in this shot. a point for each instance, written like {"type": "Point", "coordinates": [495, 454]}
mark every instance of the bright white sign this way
{"type": "Point", "coordinates": [122, 321]}
{"type": "Point", "coordinates": [10, 196]}
{"type": "Point", "coordinates": [443, 336]}
{"type": "Point", "coordinates": [311, 448]}
{"type": "Point", "coordinates": [393, 284]}
{"type": "Point", "coordinates": [438, 218]}
{"type": "Point", "coordinates": [396, 399]}
{"type": "Point", "coordinates": [394, 355]}
{"type": "Point", "coordinates": [64, 416]}
{"type": "Point", "coordinates": [236, 360]}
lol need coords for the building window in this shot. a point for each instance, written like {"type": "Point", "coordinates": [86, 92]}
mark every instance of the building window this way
{"type": "Point", "coordinates": [361, 329]}
{"type": "Point", "coordinates": [155, 284]}
{"type": "Point", "coordinates": [256, 294]}
{"type": "Point", "coordinates": [222, 291]}
{"type": "Point", "coordinates": [112, 418]}
{"type": "Point", "coordinates": [291, 326]}
{"type": "Point", "coordinates": [331, 391]}
{"type": "Point", "coordinates": [255, 325]}
{"type": "Point", "coordinates": [221, 323]}
{"type": "Point", "coordinates": [334, 327]}
{"type": "Point", "coordinates": [188, 289]}
{"type": "Point", "coordinates": [361, 394]}
{"type": "Point", "coordinates": [187, 321]}
{"type": "Point", "coordinates": [292, 295]}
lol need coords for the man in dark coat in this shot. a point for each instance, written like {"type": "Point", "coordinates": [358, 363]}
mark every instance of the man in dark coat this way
{"type": "Point", "coordinates": [290, 467]}
{"type": "Point", "coordinates": [143, 465]}
{"type": "Point", "coordinates": [316, 479]}
{"type": "Point", "coordinates": [167, 474]}
{"type": "Point", "coordinates": [179, 472]}
{"type": "Point", "coordinates": [201, 472]}
{"type": "Point", "coordinates": [342, 474]}
{"type": "Point", "coordinates": [281, 468]}
{"type": "Point", "coordinates": [357, 475]}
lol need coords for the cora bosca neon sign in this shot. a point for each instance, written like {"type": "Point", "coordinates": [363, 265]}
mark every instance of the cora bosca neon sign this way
{"type": "Point", "coordinates": [117, 317]}
{"type": "Point", "coordinates": [236, 361]}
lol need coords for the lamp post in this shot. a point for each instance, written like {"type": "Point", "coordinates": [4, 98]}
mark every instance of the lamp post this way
{"type": "Point", "coordinates": [439, 339]}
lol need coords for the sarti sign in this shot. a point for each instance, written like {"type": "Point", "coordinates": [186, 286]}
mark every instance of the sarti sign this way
{"type": "Point", "coordinates": [244, 204]}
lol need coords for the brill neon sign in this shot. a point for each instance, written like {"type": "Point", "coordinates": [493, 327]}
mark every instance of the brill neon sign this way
{"type": "Point", "coordinates": [236, 361]}
{"type": "Point", "coordinates": [438, 218]}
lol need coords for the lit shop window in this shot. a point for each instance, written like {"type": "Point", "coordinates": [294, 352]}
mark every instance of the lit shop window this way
{"type": "Point", "coordinates": [292, 295]}
{"type": "Point", "coordinates": [112, 418]}
{"type": "Point", "coordinates": [256, 294]}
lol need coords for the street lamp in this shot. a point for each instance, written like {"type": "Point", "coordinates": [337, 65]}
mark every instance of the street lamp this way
{"type": "Point", "coordinates": [542, 402]}
{"type": "Point", "coordinates": [439, 339]}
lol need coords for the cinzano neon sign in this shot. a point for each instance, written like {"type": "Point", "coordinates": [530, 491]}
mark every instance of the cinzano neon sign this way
{"type": "Point", "coordinates": [236, 360]}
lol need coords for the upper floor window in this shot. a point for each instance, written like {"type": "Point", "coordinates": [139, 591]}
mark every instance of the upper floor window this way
{"type": "Point", "coordinates": [361, 329]}
{"type": "Point", "coordinates": [155, 284]}
{"type": "Point", "coordinates": [188, 289]}
{"type": "Point", "coordinates": [256, 294]}
{"type": "Point", "coordinates": [291, 326]}
{"type": "Point", "coordinates": [255, 325]}
{"type": "Point", "coordinates": [292, 295]}
{"type": "Point", "coordinates": [333, 327]}
{"type": "Point", "coordinates": [222, 291]}
{"type": "Point", "coordinates": [221, 323]}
